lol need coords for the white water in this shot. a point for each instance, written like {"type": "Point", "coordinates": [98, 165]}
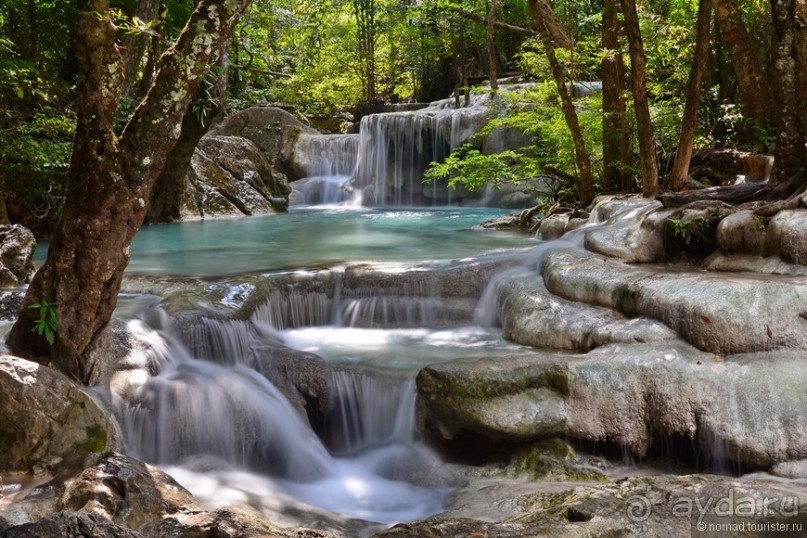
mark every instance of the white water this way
{"type": "Point", "coordinates": [224, 423]}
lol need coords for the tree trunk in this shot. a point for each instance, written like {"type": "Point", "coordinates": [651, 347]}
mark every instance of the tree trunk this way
{"type": "Point", "coordinates": [153, 55]}
{"type": "Point", "coordinates": [754, 90]}
{"type": "Point", "coordinates": [135, 45]}
{"type": "Point", "coordinates": [543, 9]}
{"type": "Point", "coordinates": [494, 83]}
{"type": "Point", "coordinates": [790, 60]}
{"type": "Point", "coordinates": [166, 197]}
{"type": "Point", "coordinates": [615, 143]}
{"type": "Point", "coordinates": [585, 186]}
{"type": "Point", "coordinates": [638, 86]}
{"type": "Point", "coordinates": [680, 170]}
{"type": "Point", "coordinates": [110, 178]}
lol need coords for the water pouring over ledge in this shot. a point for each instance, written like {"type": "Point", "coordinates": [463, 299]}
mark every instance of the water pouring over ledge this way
{"type": "Point", "coordinates": [217, 424]}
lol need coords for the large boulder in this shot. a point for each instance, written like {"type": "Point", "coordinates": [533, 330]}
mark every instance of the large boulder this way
{"type": "Point", "coordinates": [71, 524]}
{"type": "Point", "coordinates": [532, 316]}
{"type": "Point", "coordinates": [273, 130]}
{"type": "Point", "coordinates": [746, 408]}
{"type": "Point", "coordinates": [787, 236]}
{"type": "Point", "coordinates": [230, 176]}
{"type": "Point", "coordinates": [51, 422]}
{"type": "Point", "coordinates": [17, 246]}
{"type": "Point", "coordinates": [715, 312]}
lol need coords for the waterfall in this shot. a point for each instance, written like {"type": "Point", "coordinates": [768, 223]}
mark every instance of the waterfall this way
{"type": "Point", "coordinates": [395, 149]}
{"type": "Point", "coordinates": [328, 162]}
{"type": "Point", "coordinates": [370, 411]}
{"type": "Point", "coordinates": [223, 430]}
{"type": "Point", "coordinates": [196, 407]}
{"type": "Point", "coordinates": [487, 309]}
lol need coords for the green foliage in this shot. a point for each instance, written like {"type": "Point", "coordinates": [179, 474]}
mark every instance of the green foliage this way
{"type": "Point", "coordinates": [47, 323]}
{"type": "Point", "coordinates": [681, 229]}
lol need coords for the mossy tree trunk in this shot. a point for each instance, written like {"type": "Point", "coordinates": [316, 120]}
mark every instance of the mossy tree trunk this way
{"type": "Point", "coordinates": [492, 68]}
{"type": "Point", "coordinates": [755, 93]}
{"type": "Point", "coordinates": [110, 177]}
{"type": "Point", "coordinates": [790, 76]}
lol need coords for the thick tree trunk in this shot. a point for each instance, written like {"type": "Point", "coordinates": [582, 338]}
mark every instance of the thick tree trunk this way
{"type": "Point", "coordinates": [638, 85]}
{"type": "Point", "coordinates": [615, 141]}
{"type": "Point", "coordinates": [585, 186]}
{"type": "Point", "coordinates": [680, 170]}
{"type": "Point", "coordinates": [790, 61]}
{"type": "Point", "coordinates": [166, 197]}
{"type": "Point", "coordinates": [754, 90]}
{"type": "Point", "coordinates": [494, 84]}
{"type": "Point", "coordinates": [110, 178]}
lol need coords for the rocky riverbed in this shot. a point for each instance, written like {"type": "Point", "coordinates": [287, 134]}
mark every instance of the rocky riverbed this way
{"type": "Point", "coordinates": [651, 397]}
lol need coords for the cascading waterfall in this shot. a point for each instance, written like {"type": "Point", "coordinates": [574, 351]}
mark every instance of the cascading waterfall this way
{"type": "Point", "coordinates": [395, 149]}
{"type": "Point", "coordinates": [371, 411]}
{"type": "Point", "coordinates": [486, 313]}
{"type": "Point", "coordinates": [219, 418]}
{"type": "Point", "coordinates": [329, 162]}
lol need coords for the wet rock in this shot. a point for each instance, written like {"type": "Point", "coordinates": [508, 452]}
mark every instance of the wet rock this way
{"type": "Point", "coordinates": [474, 395]}
{"type": "Point", "coordinates": [71, 524]}
{"type": "Point", "coordinates": [56, 423]}
{"type": "Point", "coordinates": [125, 491]}
{"type": "Point", "coordinates": [744, 409]}
{"type": "Point", "coordinates": [10, 303]}
{"type": "Point", "coordinates": [647, 507]}
{"type": "Point", "coordinates": [742, 233]}
{"type": "Point", "coordinates": [553, 227]}
{"type": "Point", "coordinates": [791, 469]}
{"type": "Point", "coordinates": [532, 316]}
{"type": "Point", "coordinates": [555, 460]}
{"type": "Point", "coordinates": [702, 308]}
{"type": "Point", "coordinates": [744, 263]}
{"type": "Point", "coordinates": [17, 246]}
{"type": "Point", "coordinates": [786, 236]}
{"type": "Point", "coordinates": [273, 130]}
{"type": "Point", "coordinates": [640, 240]}
{"type": "Point", "coordinates": [301, 377]}
{"type": "Point", "coordinates": [507, 222]}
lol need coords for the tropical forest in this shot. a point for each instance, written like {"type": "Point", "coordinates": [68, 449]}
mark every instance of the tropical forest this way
{"type": "Point", "coordinates": [414, 268]}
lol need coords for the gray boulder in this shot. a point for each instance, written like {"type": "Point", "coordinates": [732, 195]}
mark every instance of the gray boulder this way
{"type": "Point", "coordinates": [532, 316]}
{"type": "Point", "coordinates": [787, 236]}
{"type": "Point", "coordinates": [711, 311]}
{"type": "Point", "coordinates": [70, 525]}
{"type": "Point", "coordinates": [746, 409]}
{"type": "Point", "coordinates": [56, 423]}
{"type": "Point", "coordinates": [661, 506]}
{"type": "Point", "coordinates": [230, 176]}
{"type": "Point", "coordinates": [273, 130]}
{"type": "Point", "coordinates": [17, 246]}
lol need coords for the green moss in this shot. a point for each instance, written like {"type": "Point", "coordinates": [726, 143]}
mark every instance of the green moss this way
{"type": "Point", "coordinates": [552, 459]}
{"type": "Point", "coordinates": [96, 439]}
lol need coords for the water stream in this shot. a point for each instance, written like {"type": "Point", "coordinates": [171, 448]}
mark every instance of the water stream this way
{"type": "Point", "coordinates": [211, 418]}
{"type": "Point", "coordinates": [204, 407]}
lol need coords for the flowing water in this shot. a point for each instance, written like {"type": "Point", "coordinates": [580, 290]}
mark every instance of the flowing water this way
{"type": "Point", "coordinates": [204, 408]}
{"type": "Point", "coordinates": [208, 415]}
